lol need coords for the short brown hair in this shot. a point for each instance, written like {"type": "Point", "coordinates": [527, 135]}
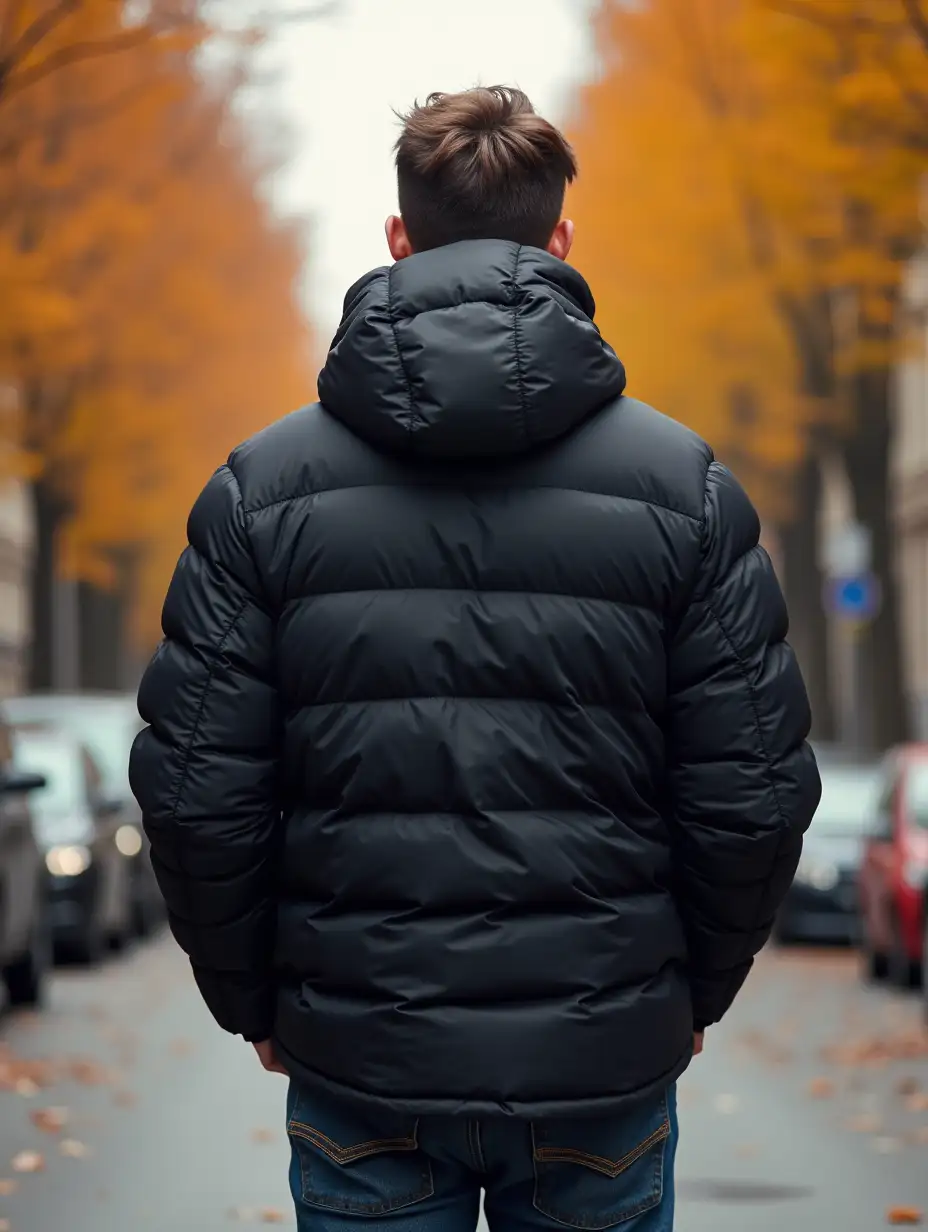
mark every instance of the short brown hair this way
{"type": "Point", "coordinates": [481, 165]}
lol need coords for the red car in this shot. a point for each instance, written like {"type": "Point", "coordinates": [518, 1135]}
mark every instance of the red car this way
{"type": "Point", "coordinates": [894, 873]}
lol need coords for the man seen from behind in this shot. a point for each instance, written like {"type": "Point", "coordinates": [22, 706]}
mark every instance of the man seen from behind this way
{"type": "Point", "coordinates": [476, 768]}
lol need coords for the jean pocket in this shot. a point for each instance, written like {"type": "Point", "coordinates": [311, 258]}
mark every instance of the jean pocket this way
{"type": "Point", "coordinates": [355, 1161]}
{"type": "Point", "coordinates": [599, 1173]}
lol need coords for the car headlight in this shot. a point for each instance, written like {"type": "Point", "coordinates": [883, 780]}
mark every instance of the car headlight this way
{"type": "Point", "coordinates": [68, 861]}
{"type": "Point", "coordinates": [818, 874]}
{"type": "Point", "coordinates": [128, 841]}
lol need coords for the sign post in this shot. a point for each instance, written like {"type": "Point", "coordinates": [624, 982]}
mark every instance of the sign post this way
{"type": "Point", "coordinates": [852, 598]}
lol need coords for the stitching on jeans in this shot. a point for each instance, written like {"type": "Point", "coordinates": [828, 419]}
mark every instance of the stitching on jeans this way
{"type": "Point", "coordinates": [609, 1167]}
{"type": "Point", "coordinates": [334, 1201]}
{"type": "Point", "coordinates": [572, 1218]}
{"type": "Point", "coordinates": [345, 1154]}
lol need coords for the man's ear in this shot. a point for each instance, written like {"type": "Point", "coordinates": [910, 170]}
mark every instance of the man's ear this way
{"type": "Point", "coordinates": [561, 241]}
{"type": "Point", "coordinates": [397, 238]}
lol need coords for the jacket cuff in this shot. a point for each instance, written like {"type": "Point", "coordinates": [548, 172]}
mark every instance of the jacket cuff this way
{"type": "Point", "coordinates": [242, 1004]}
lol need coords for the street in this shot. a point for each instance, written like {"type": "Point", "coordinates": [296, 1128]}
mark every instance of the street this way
{"type": "Point", "coordinates": [124, 1107]}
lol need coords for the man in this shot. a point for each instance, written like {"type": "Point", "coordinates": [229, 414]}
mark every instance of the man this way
{"type": "Point", "coordinates": [477, 764]}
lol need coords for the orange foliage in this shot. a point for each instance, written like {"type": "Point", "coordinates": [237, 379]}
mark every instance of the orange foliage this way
{"type": "Point", "coordinates": [747, 203]}
{"type": "Point", "coordinates": [148, 298]}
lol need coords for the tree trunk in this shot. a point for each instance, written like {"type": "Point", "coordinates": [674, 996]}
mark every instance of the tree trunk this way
{"type": "Point", "coordinates": [48, 513]}
{"type": "Point", "coordinates": [867, 460]}
{"type": "Point", "coordinates": [102, 638]}
{"type": "Point", "coordinates": [803, 583]}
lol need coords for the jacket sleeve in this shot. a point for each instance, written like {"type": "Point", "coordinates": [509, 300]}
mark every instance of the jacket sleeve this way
{"type": "Point", "coordinates": [743, 781]}
{"type": "Point", "coordinates": [205, 770]}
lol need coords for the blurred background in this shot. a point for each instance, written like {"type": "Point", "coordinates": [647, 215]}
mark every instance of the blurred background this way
{"type": "Point", "coordinates": [187, 189]}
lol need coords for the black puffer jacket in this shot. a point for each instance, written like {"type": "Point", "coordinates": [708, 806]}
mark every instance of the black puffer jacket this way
{"type": "Point", "coordinates": [476, 765]}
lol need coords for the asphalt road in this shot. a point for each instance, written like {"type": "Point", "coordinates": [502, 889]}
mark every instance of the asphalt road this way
{"type": "Point", "coordinates": [808, 1110]}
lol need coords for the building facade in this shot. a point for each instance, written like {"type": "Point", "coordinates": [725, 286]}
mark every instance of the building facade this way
{"type": "Point", "coordinates": [911, 492]}
{"type": "Point", "coordinates": [15, 557]}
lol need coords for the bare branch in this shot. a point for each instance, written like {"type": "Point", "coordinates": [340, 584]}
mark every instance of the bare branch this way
{"type": "Point", "coordinates": [78, 53]}
{"type": "Point", "coordinates": [918, 20]}
{"type": "Point", "coordinates": [803, 11]}
{"type": "Point", "coordinates": [34, 34]}
{"type": "Point", "coordinates": [11, 18]}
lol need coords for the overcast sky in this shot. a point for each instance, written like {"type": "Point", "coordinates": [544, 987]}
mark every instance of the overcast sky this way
{"type": "Point", "coordinates": [340, 78]}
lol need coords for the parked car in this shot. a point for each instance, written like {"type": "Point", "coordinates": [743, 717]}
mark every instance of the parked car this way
{"type": "Point", "coordinates": [106, 723]}
{"type": "Point", "coordinates": [25, 944]}
{"type": "Point", "coordinates": [894, 875]}
{"type": "Point", "coordinates": [822, 904]}
{"type": "Point", "coordinates": [78, 828]}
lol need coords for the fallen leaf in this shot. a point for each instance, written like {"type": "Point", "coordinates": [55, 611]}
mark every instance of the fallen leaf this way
{"type": "Point", "coordinates": [263, 1135]}
{"type": "Point", "coordinates": [28, 1161]}
{"type": "Point", "coordinates": [49, 1120]}
{"type": "Point", "coordinates": [73, 1149]}
{"type": "Point", "coordinates": [908, 1086]}
{"type": "Point", "coordinates": [182, 1048]}
{"type": "Point", "coordinates": [89, 1073]}
{"type": "Point", "coordinates": [821, 1088]}
{"type": "Point", "coordinates": [865, 1124]}
{"type": "Point", "coordinates": [748, 1151]}
{"type": "Point", "coordinates": [5, 1225]}
{"type": "Point", "coordinates": [21, 1075]}
{"type": "Point", "coordinates": [920, 1135]}
{"type": "Point", "coordinates": [917, 1101]}
{"type": "Point", "coordinates": [125, 1099]}
{"type": "Point", "coordinates": [904, 1215]}
{"type": "Point", "coordinates": [8, 1187]}
{"type": "Point", "coordinates": [271, 1214]}
{"type": "Point", "coordinates": [875, 1052]}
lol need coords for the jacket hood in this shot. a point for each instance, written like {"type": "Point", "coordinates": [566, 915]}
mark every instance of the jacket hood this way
{"type": "Point", "coordinates": [481, 349]}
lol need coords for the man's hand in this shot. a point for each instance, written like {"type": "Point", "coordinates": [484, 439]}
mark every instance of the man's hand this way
{"type": "Point", "coordinates": [268, 1058]}
{"type": "Point", "coordinates": [697, 1042]}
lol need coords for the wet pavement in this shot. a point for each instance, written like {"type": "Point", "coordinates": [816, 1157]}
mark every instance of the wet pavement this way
{"type": "Point", "coordinates": [808, 1110]}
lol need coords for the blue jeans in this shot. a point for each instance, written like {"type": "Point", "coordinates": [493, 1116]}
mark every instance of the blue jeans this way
{"type": "Point", "coordinates": [353, 1169]}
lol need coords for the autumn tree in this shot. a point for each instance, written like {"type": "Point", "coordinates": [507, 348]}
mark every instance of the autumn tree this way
{"type": "Point", "coordinates": [148, 314]}
{"type": "Point", "coordinates": [751, 204]}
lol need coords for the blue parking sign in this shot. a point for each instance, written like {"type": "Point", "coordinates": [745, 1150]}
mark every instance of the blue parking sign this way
{"type": "Point", "coordinates": [855, 597]}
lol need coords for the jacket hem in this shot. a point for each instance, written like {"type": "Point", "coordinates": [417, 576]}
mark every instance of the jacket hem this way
{"type": "Point", "coordinates": [532, 1109]}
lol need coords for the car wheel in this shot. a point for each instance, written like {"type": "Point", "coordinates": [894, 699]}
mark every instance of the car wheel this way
{"type": "Point", "coordinates": [25, 978]}
{"type": "Point", "coordinates": [146, 911]}
{"type": "Point", "coordinates": [117, 940]}
{"type": "Point", "coordinates": [89, 946]}
{"type": "Point", "coordinates": [875, 963]}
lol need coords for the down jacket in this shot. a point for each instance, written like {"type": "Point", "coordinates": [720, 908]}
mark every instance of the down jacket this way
{"type": "Point", "coordinates": [476, 767]}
